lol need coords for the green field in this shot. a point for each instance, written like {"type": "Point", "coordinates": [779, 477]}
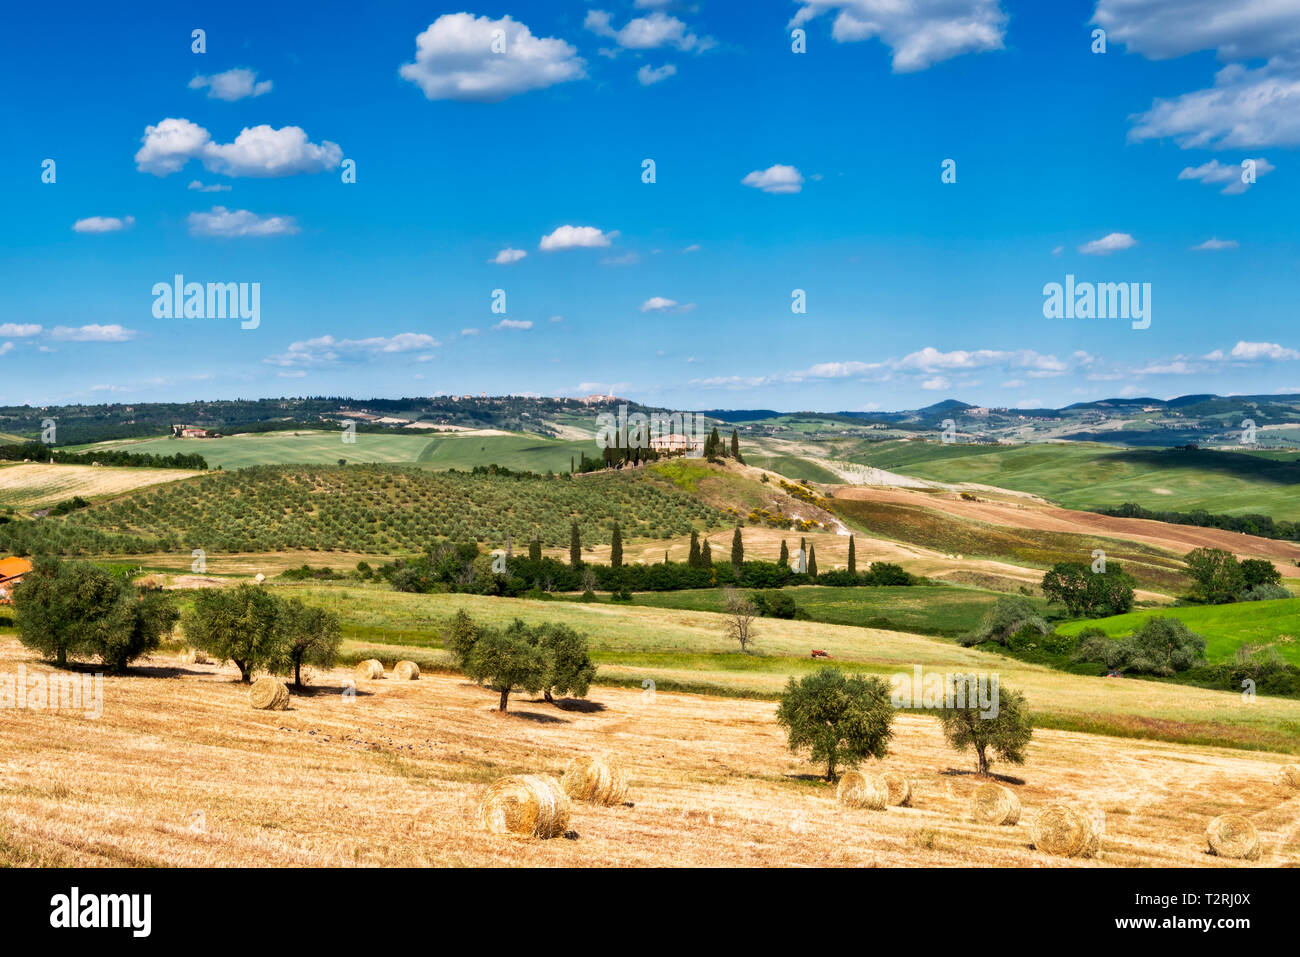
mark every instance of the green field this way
{"type": "Point", "coordinates": [1225, 627]}
{"type": "Point", "coordinates": [792, 466]}
{"type": "Point", "coordinates": [519, 452]}
{"type": "Point", "coordinates": [690, 650]}
{"type": "Point", "coordinates": [1088, 475]}
{"type": "Point", "coordinates": [314, 447]}
{"type": "Point", "coordinates": [943, 610]}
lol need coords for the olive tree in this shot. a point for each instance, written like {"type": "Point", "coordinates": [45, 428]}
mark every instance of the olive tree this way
{"type": "Point", "coordinates": [240, 625]}
{"type": "Point", "coordinates": [1003, 728]}
{"type": "Point", "coordinates": [838, 719]}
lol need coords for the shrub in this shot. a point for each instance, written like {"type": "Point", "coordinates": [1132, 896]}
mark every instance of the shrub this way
{"type": "Point", "coordinates": [1009, 614]}
{"type": "Point", "coordinates": [1266, 591]}
{"type": "Point", "coordinates": [1163, 646]}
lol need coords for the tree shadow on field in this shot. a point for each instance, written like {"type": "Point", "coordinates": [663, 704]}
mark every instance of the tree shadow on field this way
{"type": "Point", "coordinates": [316, 691]}
{"type": "Point", "coordinates": [1003, 778]}
{"type": "Point", "coordinates": [163, 671]}
{"type": "Point", "coordinates": [806, 778]}
{"type": "Point", "coordinates": [530, 716]}
{"type": "Point", "coordinates": [577, 705]}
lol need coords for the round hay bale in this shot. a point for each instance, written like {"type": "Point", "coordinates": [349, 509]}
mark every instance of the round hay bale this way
{"type": "Point", "coordinates": [993, 804]}
{"type": "Point", "coordinates": [369, 670]}
{"type": "Point", "coordinates": [406, 671]}
{"type": "Point", "coordinates": [1289, 776]}
{"type": "Point", "coordinates": [1233, 836]}
{"type": "Point", "coordinates": [599, 780]}
{"type": "Point", "coordinates": [1096, 818]}
{"type": "Point", "coordinates": [1063, 831]}
{"type": "Point", "coordinates": [268, 694]}
{"type": "Point", "coordinates": [900, 789]}
{"type": "Point", "coordinates": [526, 805]}
{"type": "Point", "coordinates": [858, 789]}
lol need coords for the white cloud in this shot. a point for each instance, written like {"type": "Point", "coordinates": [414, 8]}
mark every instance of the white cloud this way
{"type": "Point", "coordinates": [1162, 29]}
{"type": "Point", "coordinates": [507, 256]}
{"type": "Point", "coordinates": [651, 32]}
{"type": "Point", "coordinates": [1172, 367]}
{"type": "Point", "coordinates": [931, 359]}
{"type": "Point", "coordinates": [627, 259]}
{"type": "Point", "coordinates": [293, 374]}
{"type": "Point", "coordinates": [1212, 244]}
{"type": "Point", "coordinates": [556, 319]}
{"type": "Point", "coordinates": [575, 237]}
{"type": "Point", "coordinates": [775, 179]}
{"type": "Point", "coordinates": [514, 324]}
{"type": "Point", "coordinates": [469, 332]}
{"type": "Point", "coordinates": [1111, 242]}
{"type": "Point", "coordinates": [92, 333]}
{"type": "Point", "coordinates": [212, 188]}
{"type": "Point", "coordinates": [1214, 172]}
{"type": "Point", "coordinates": [326, 350]}
{"type": "Point", "coordinates": [228, 224]}
{"type": "Point", "coordinates": [102, 224]}
{"type": "Point", "coordinates": [919, 33]}
{"type": "Point", "coordinates": [258, 151]}
{"type": "Point", "coordinates": [1245, 108]}
{"type": "Point", "coordinates": [1256, 351]}
{"type": "Point", "coordinates": [692, 248]}
{"type": "Point", "coordinates": [232, 85]}
{"type": "Point", "coordinates": [648, 75]}
{"type": "Point", "coordinates": [454, 60]}
{"type": "Point", "coordinates": [6, 347]}
{"type": "Point", "coordinates": [938, 382]}
{"type": "Point", "coordinates": [658, 304]}
{"type": "Point", "coordinates": [14, 330]}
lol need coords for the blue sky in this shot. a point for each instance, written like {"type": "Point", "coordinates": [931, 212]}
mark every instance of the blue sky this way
{"type": "Point", "coordinates": [774, 171]}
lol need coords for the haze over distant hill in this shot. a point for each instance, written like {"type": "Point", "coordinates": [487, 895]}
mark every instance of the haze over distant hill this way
{"type": "Point", "coordinates": [1268, 421]}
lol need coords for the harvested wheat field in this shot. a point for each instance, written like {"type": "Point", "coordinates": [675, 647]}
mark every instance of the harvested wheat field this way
{"type": "Point", "coordinates": [38, 484]}
{"type": "Point", "coordinates": [180, 771]}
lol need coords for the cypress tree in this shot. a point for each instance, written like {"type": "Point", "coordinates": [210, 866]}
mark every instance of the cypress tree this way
{"type": "Point", "coordinates": [784, 557]}
{"type": "Point", "coordinates": [812, 561]}
{"type": "Point", "coordinates": [714, 445]}
{"type": "Point", "coordinates": [534, 550]}
{"type": "Point", "coordinates": [853, 558]}
{"type": "Point", "coordinates": [575, 546]}
{"type": "Point", "coordinates": [737, 550]}
{"type": "Point", "coordinates": [693, 559]}
{"type": "Point", "coordinates": [616, 548]}
{"type": "Point", "coordinates": [706, 555]}
{"type": "Point", "coordinates": [735, 447]}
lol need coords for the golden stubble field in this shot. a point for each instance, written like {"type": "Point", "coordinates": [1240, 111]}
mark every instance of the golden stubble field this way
{"type": "Point", "coordinates": [179, 771]}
